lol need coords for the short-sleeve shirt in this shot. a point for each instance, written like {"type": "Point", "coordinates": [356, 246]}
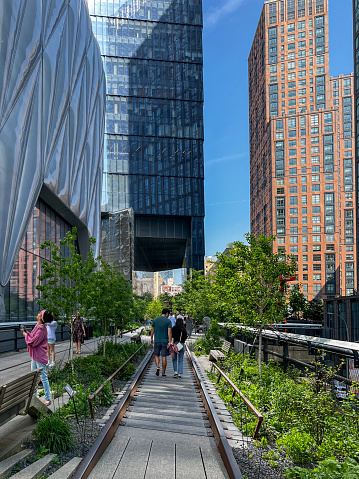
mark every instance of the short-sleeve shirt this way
{"type": "Point", "coordinates": [161, 326]}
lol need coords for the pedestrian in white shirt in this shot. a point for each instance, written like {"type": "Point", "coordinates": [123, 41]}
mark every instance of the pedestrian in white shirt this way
{"type": "Point", "coordinates": [51, 340]}
{"type": "Point", "coordinates": [172, 319]}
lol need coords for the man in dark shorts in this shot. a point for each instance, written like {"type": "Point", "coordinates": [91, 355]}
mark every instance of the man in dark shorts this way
{"type": "Point", "coordinates": [162, 330]}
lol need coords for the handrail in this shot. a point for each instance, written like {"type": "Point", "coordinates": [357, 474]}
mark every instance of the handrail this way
{"type": "Point", "coordinates": [111, 378]}
{"type": "Point", "coordinates": [243, 397]}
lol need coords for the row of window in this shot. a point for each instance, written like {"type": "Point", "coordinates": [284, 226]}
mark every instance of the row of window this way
{"type": "Point", "coordinates": [291, 27]}
{"type": "Point", "coordinates": [314, 121]}
{"type": "Point", "coordinates": [347, 82]}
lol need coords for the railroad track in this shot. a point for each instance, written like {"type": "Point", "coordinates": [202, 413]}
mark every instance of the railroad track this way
{"type": "Point", "coordinates": [162, 425]}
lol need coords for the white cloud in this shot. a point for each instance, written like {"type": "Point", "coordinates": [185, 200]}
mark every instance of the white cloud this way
{"type": "Point", "coordinates": [216, 14]}
{"type": "Point", "coordinates": [223, 159]}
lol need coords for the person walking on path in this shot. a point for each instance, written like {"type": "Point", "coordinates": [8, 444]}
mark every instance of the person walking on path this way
{"type": "Point", "coordinates": [36, 342]}
{"type": "Point", "coordinates": [172, 318]}
{"type": "Point", "coordinates": [162, 332]}
{"type": "Point", "coordinates": [189, 326]}
{"type": "Point", "coordinates": [179, 336]}
{"type": "Point", "coordinates": [79, 332]}
{"type": "Point", "coordinates": [51, 340]}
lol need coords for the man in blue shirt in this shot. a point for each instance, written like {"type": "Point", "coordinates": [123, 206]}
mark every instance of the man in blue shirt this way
{"type": "Point", "coordinates": [162, 331]}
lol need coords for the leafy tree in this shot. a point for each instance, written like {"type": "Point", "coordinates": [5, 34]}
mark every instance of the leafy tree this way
{"type": "Point", "coordinates": [154, 309]}
{"type": "Point", "coordinates": [109, 297]}
{"type": "Point", "coordinates": [296, 305]}
{"type": "Point", "coordinates": [64, 281]}
{"type": "Point", "coordinates": [314, 311]}
{"type": "Point", "coordinates": [196, 298]}
{"type": "Point", "coordinates": [299, 308]}
{"type": "Point", "coordinates": [166, 300]}
{"type": "Point", "coordinates": [247, 283]}
{"type": "Point", "coordinates": [139, 306]}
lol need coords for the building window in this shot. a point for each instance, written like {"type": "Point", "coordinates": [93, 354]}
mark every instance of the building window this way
{"type": "Point", "coordinates": [316, 238]}
{"type": "Point", "coordinates": [315, 199]}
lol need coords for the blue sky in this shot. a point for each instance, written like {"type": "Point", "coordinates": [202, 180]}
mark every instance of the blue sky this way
{"type": "Point", "coordinates": [229, 27]}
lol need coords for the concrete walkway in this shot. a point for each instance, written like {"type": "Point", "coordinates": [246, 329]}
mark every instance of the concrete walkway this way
{"type": "Point", "coordinates": [164, 433]}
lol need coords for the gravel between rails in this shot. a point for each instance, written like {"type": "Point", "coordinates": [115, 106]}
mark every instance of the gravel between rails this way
{"type": "Point", "coordinates": [253, 465]}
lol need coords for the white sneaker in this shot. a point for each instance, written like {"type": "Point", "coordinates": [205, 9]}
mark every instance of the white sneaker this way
{"type": "Point", "coordinates": [175, 375]}
{"type": "Point", "coordinates": [179, 376]}
{"type": "Point", "coordinates": [51, 365]}
{"type": "Point", "coordinates": [48, 363]}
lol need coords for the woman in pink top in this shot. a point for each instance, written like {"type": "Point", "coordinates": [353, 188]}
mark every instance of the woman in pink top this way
{"type": "Point", "coordinates": [37, 347]}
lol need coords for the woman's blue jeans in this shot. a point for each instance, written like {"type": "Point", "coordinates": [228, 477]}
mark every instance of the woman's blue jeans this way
{"type": "Point", "coordinates": [179, 358]}
{"type": "Point", "coordinates": [44, 378]}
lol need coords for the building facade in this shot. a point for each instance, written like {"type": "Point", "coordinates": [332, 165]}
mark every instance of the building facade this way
{"type": "Point", "coordinates": [356, 100]}
{"type": "Point", "coordinates": [52, 107]}
{"type": "Point", "coordinates": [152, 53]}
{"type": "Point", "coordinates": [341, 318]}
{"type": "Point", "coordinates": [302, 146]}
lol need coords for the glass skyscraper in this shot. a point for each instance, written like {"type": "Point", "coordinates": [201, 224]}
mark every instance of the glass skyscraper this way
{"type": "Point", "coordinates": [152, 54]}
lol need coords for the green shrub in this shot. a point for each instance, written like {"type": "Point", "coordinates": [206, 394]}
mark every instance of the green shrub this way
{"type": "Point", "coordinates": [211, 340]}
{"type": "Point", "coordinates": [81, 402]}
{"type": "Point", "coordinates": [105, 398]}
{"type": "Point", "coordinates": [53, 433]}
{"type": "Point", "coordinates": [298, 445]}
{"type": "Point", "coordinates": [328, 469]}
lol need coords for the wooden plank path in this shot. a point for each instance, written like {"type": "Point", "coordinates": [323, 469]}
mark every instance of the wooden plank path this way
{"type": "Point", "coordinates": [164, 433]}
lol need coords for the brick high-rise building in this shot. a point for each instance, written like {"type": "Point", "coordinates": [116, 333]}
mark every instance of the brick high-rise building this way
{"type": "Point", "coordinates": [356, 93]}
{"type": "Point", "coordinates": [302, 146]}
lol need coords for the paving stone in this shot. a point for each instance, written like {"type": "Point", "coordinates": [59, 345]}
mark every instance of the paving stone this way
{"type": "Point", "coordinates": [67, 470]}
{"type": "Point", "coordinates": [35, 469]}
{"type": "Point", "coordinates": [7, 464]}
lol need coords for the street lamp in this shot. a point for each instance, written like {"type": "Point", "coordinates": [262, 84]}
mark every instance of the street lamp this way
{"type": "Point", "coordinates": [345, 322]}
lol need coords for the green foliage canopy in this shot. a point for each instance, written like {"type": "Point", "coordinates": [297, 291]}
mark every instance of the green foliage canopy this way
{"type": "Point", "coordinates": [246, 281]}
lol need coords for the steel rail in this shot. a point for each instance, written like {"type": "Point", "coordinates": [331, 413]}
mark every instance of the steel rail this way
{"type": "Point", "coordinates": [224, 448]}
{"type": "Point", "coordinates": [110, 428]}
{"type": "Point", "coordinates": [110, 379]}
{"type": "Point", "coordinates": [108, 431]}
{"type": "Point", "coordinates": [243, 397]}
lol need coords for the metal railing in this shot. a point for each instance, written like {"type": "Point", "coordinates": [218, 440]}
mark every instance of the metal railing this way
{"type": "Point", "coordinates": [243, 397]}
{"type": "Point", "coordinates": [110, 379]}
{"type": "Point", "coordinates": [13, 336]}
